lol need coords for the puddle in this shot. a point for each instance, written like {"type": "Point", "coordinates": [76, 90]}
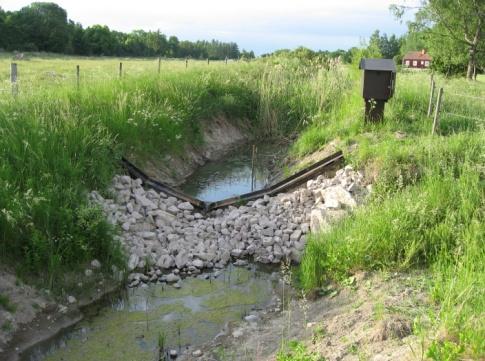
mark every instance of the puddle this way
{"type": "Point", "coordinates": [128, 329]}
{"type": "Point", "coordinates": [231, 176]}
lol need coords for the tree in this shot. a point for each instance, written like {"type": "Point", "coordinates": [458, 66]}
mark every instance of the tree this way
{"type": "Point", "coordinates": [43, 25]}
{"type": "Point", "coordinates": [455, 25]}
{"type": "Point", "coordinates": [100, 40]}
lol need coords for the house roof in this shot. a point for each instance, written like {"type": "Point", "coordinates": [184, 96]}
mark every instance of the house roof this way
{"type": "Point", "coordinates": [417, 55]}
{"type": "Point", "coordinates": [378, 64]}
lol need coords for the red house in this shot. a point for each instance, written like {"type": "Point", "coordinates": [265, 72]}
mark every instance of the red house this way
{"type": "Point", "coordinates": [417, 59]}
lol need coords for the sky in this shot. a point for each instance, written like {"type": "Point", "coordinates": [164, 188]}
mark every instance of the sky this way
{"type": "Point", "coordinates": [259, 25]}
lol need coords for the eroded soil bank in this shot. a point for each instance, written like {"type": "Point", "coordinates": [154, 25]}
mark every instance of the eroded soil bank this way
{"type": "Point", "coordinates": [372, 318]}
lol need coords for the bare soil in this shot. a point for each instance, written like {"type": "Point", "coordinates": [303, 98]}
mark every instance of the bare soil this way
{"type": "Point", "coordinates": [219, 136]}
{"type": "Point", "coordinates": [370, 319]}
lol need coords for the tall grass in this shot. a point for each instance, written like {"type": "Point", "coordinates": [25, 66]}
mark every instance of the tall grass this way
{"type": "Point", "coordinates": [427, 208]}
{"type": "Point", "coordinates": [59, 142]}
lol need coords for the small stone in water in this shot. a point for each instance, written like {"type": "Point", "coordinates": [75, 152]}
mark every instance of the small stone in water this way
{"type": "Point", "coordinates": [197, 353]}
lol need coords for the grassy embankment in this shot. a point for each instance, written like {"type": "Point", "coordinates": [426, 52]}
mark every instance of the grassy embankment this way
{"type": "Point", "coordinates": [427, 209]}
{"type": "Point", "coordinates": [57, 142]}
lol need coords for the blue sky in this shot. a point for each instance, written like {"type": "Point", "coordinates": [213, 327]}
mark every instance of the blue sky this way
{"type": "Point", "coordinates": [259, 25]}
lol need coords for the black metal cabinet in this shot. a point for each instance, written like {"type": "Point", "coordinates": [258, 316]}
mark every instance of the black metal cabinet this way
{"type": "Point", "coordinates": [379, 81]}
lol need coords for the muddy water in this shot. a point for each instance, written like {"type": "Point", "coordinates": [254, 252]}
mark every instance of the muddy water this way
{"type": "Point", "coordinates": [129, 328]}
{"type": "Point", "coordinates": [231, 176]}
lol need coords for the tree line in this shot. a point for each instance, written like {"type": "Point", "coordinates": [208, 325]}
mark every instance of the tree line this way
{"type": "Point", "coordinates": [44, 26]}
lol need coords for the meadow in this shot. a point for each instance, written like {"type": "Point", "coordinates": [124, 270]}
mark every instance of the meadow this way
{"type": "Point", "coordinates": [58, 142]}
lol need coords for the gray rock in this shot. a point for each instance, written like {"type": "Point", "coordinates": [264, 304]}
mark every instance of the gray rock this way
{"type": "Point", "coordinates": [133, 261]}
{"type": "Point", "coordinates": [251, 318]}
{"type": "Point", "coordinates": [71, 299]}
{"type": "Point", "coordinates": [165, 261]}
{"type": "Point", "coordinates": [186, 206]}
{"type": "Point", "coordinates": [181, 259]}
{"type": "Point", "coordinates": [237, 252]}
{"type": "Point", "coordinates": [295, 236]}
{"type": "Point", "coordinates": [172, 278]}
{"type": "Point", "coordinates": [197, 353]}
{"type": "Point", "coordinates": [198, 263]}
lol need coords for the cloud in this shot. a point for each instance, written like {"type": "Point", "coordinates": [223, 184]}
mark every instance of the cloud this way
{"type": "Point", "coordinates": [263, 25]}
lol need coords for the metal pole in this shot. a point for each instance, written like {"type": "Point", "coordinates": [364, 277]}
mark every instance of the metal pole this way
{"type": "Point", "coordinates": [13, 78]}
{"type": "Point", "coordinates": [436, 120]}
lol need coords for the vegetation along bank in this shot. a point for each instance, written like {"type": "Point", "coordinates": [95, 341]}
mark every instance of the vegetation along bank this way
{"type": "Point", "coordinates": [426, 206]}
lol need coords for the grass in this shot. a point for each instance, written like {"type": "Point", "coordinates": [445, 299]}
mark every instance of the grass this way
{"type": "Point", "coordinates": [60, 142]}
{"type": "Point", "coordinates": [427, 208]}
{"type": "Point", "coordinates": [6, 304]}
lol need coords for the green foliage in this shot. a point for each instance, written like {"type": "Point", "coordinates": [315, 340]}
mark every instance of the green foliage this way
{"type": "Point", "coordinates": [445, 351]}
{"type": "Point", "coordinates": [44, 26]}
{"type": "Point", "coordinates": [453, 34]}
{"type": "Point", "coordinates": [298, 352]}
{"type": "Point", "coordinates": [6, 304]}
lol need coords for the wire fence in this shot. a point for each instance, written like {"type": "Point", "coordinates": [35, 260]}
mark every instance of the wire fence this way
{"type": "Point", "coordinates": [27, 81]}
{"type": "Point", "coordinates": [467, 107]}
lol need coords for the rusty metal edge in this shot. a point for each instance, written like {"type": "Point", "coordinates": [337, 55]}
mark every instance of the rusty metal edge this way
{"type": "Point", "coordinates": [287, 183]}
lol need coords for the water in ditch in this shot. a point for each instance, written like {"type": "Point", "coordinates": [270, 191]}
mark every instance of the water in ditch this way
{"type": "Point", "coordinates": [231, 175]}
{"type": "Point", "coordinates": [129, 328]}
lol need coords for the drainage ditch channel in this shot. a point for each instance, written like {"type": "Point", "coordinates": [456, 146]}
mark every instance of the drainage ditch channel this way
{"type": "Point", "coordinates": [137, 323]}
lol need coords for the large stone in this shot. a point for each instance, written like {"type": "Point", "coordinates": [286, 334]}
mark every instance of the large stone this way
{"type": "Point", "coordinates": [321, 220]}
{"type": "Point", "coordinates": [172, 278]}
{"type": "Point", "coordinates": [165, 261]}
{"type": "Point", "coordinates": [186, 206]}
{"type": "Point", "coordinates": [181, 259]}
{"type": "Point", "coordinates": [198, 263]}
{"type": "Point", "coordinates": [295, 236]}
{"type": "Point", "coordinates": [133, 261]}
{"type": "Point", "coordinates": [338, 194]}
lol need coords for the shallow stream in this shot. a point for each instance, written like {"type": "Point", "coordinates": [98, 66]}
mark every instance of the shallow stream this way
{"type": "Point", "coordinates": [231, 175]}
{"type": "Point", "coordinates": [132, 326]}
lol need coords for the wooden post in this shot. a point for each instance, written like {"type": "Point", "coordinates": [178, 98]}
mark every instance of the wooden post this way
{"type": "Point", "coordinates": [226, 60]}
{"type": "Point", "coordinates": [436, 120]}
{"type": "Point", "coordinates": [431, 95]}
{"type": "Point", "coordinates": [77, 76]}
{"type": "Point", "coordinates": [159, 64]}
{"type": "Point", "coordinates": [208, 61]}
{"type": "Point", "coordinates": [252, 168]}
{"type": "Point", "coordinates": [13, 78]}
{"type": "Point", "coordinates": [121, 69]}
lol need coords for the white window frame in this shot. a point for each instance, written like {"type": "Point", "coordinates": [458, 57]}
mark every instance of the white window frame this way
{"type": "Point", "coordinates": [415, 63]}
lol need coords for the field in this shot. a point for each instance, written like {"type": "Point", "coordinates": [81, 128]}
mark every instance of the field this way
{"type": "Point", "coordinates": [427, 211]}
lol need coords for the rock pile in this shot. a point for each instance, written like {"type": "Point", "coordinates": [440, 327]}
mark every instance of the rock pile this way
{"type": "Point", "coordinates": [160, 233]}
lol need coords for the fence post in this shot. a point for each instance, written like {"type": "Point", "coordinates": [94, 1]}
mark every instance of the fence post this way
{"type": "Point", "coordinates": [208, 61]}
{"type": "Point", "coordinates": [186, 62]}
{"type": "Point", "coordinates": [226, 60]}
{"type": "Point", "coordinates": [436, 120]}
{"type": "Point", "coordinates": [121, 69]}
{"type": "Point", "coordinates": [13, 78]}
{"type": "Point", "coordinates": [77, 76]}
{"type": "Point", "coordinates": [431, 95]}
{"type": "Point", "coordinates": [159, 64]}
